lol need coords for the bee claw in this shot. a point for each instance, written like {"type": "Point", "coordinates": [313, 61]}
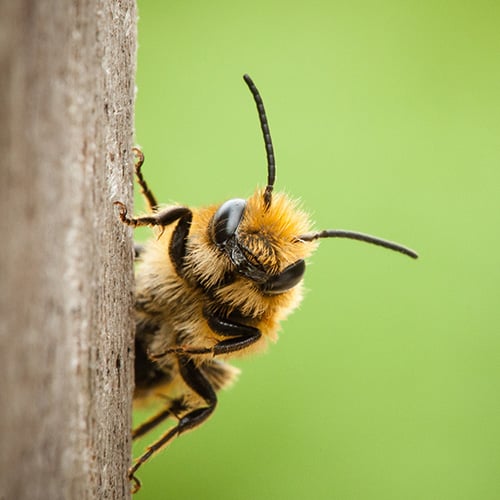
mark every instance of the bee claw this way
{"type": "Point", "coordinates": [139, 159]}
{"type": "Point", "coordinates": [122, 209]}
{"type": "Point", "coordinates": [137, 484]}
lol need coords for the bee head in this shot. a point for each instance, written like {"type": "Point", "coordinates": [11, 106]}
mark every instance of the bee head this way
{"type": "Point", "coordinates": [238, 228]}
{"type": "Point", "coordinates": [259, 240]}
{"type": "Point", "coordinates": [267, 238]}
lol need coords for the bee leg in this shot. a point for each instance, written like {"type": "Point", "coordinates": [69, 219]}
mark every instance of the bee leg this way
{"type": "Point", "coordinates": [195, 379]}
{"type": "Point", "coordinates": [177, 248]}
{"type": "Point", "coordinates": [240, 337]}
{"type": "Point", "coordinates": [174, 408]}
{"type": "Point", "coordinates": [151, 423]}
{"type": "Point", "coordinates": [146, 192]}
{"type": "Point", "coordinates": [162, 219]}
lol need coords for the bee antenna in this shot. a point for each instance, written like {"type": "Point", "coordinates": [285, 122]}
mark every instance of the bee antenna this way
{"type": "Point", "coordinates": [340, 233]}
{"type": "Point", "coordinates": [264, 125]}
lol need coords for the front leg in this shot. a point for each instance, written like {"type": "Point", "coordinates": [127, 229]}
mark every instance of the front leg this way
{"type": "Point", "coordinates": [162, 219]}
{"type": "Point", "coordinates": [239, 337]}
{"type": "Point", "coordinates": [146, 192]}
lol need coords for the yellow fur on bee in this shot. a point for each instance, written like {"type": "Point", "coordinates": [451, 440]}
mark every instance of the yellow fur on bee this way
{"type": "Point", "coordinates": [270, 234]}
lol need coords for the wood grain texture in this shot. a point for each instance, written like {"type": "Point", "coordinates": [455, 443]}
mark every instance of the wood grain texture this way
{"type": "Point", "coordinates": [66, 104]}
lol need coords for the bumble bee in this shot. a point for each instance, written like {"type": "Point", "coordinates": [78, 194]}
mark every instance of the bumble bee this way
{"type": "Point", "coordinates": [215, 283]}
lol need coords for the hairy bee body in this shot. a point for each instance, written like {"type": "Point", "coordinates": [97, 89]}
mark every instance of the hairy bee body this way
{"type": "Point", "coordinates": [214, 284]}
{"type": "Point", "coordinates": [172, 307]}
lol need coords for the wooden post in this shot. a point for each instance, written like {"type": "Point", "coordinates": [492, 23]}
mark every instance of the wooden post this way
{"type": "Point", "coordinates": [66, 333]}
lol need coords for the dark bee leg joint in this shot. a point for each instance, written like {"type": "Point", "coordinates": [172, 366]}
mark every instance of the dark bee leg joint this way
{"type": "Point", "coordinates": [195, 417]}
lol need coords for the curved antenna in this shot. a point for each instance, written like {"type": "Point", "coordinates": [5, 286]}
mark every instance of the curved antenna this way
{"type": "Point", "coordinates": [264, 125]}
{"type": "Point", "coordinates": [340, 233]}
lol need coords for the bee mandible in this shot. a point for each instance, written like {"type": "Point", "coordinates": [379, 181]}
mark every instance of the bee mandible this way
{"type": "Point", "coordinates": [215, 283]}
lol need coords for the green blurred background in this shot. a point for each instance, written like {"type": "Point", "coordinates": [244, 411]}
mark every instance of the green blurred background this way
{"type": "Point", "coordinates": [386, 119]}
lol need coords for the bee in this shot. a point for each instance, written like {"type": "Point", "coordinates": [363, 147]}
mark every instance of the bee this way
{"type": "Point", "coordinates": [214, 284]}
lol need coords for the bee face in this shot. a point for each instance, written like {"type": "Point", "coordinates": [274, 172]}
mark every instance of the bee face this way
{"type": "Point", "coordinates": [261, 242]}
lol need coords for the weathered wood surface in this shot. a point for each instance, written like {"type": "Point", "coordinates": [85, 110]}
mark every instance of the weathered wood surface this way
{"type": "Point", "coordinates": [67, 73]}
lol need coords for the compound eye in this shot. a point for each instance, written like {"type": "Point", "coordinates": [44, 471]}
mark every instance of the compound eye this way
{"type": "Point", "coordinates": [287, 279]}
{"type": "Point", "coordinates": [227, 219]}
